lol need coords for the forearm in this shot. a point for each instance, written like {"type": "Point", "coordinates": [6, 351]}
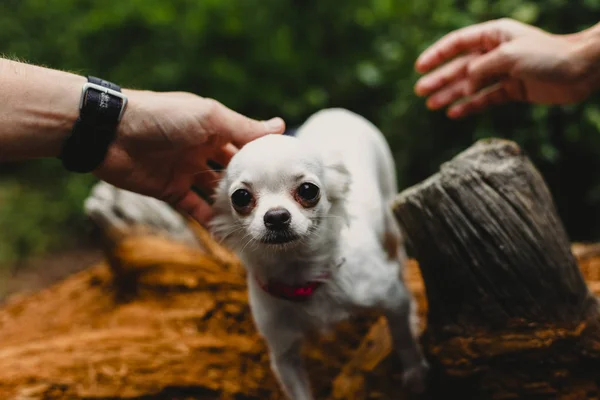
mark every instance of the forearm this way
{"type": "Point", "coordinates": [38, 107]}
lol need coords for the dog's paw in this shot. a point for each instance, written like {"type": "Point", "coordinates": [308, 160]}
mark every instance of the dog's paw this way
{"type": "Point", "coordinates": [415, 377]}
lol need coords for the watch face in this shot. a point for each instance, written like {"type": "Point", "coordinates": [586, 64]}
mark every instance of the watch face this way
{"type": "Point", "coordinates": [101, 108]}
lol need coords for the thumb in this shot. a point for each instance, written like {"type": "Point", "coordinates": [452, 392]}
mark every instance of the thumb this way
{"type": "Point", "coordinates": [489, 68]}
{"type": "Point", "coordinates": [240, 128]}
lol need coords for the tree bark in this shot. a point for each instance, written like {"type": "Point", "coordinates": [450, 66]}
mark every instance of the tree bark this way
{"type": "Point", "coordinates": [509, 312]}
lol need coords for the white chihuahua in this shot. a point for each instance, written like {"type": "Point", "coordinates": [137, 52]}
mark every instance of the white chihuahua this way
{"type": "Point", "coordinates": [310, 218]}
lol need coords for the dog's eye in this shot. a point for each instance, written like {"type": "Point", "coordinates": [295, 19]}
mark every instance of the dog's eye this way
{"type": "Point", "coordinates": [242, 200]}
{"type": "Point", "coordinates": [307, 194]}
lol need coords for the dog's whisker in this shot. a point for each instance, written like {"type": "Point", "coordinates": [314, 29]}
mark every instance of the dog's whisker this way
{"type": "Point", "coordinates": [205, 171]}
{"type": "Point", "coordinates": [241, 239]}
{"type": "Point", "coordinates": [230, 232]}
{"type": "Point", "coordinates": [225, 235]}
{"type": "Point", "coordinates": [249, 241]}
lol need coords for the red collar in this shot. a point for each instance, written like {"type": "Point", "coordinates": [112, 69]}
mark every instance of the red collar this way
{"type": "Point", "coordinates": [289, 292]}
{"type": "Point", "coordinates": [294, 292]}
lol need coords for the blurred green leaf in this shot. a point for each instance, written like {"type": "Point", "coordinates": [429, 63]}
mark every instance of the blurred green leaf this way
{"type": "Point", "coordinates": [526, 12]}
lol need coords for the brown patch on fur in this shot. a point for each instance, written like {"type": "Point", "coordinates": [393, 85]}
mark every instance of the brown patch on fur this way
{"type": "Point", "coordinates": [391, 244]}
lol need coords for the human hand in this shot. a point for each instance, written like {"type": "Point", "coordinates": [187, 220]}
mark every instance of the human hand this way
{"type": "Point", "coordinates": [500, 61]}
{"type": "Point", "coordinates": [164, 144]}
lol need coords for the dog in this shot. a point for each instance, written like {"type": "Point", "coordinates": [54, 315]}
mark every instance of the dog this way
{"type": "Point", "coordinates": [310, 218]}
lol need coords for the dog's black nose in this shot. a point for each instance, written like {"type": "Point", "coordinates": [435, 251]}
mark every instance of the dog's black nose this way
{"type": "Point", "coordinates": [277, 219]}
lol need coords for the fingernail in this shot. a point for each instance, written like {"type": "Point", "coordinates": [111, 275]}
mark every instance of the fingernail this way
{"type": "Point", "coordinates": [421, 87]}
{"type": "Point", "coordinates": [420, 64]}
{"type": "Point", "coordinates": [432, 104]}
{"type": "Point", "coordinates": [454, 112]}
{"type": "Point", "coordinates": [417, 88]}
{"type": "Point", "coordinates": [275, 125]}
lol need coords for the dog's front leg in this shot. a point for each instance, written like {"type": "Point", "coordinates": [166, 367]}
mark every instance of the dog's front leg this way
{"type": "Point", "coordinates": [283, 333]}
{"type": "Point", "coordinates": [397, 308]}
{"type": "Point", "coordinates": [288, 367]}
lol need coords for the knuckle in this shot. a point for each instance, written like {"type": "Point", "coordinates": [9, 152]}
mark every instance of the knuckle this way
{"type": "Point", "coordinates": [472, 68]}
{"type": "Point", "coordinates": [182, 94]}
{"type": "Point", "coordinates": [212, 106]}
{"type": "Point", "coordinates": [475, 70]}
{"type": "Point", "coordinates": [504, 51]}
{"type": "Point", "coordinates": [212, 115]}
{"type": "Point", "coordinates": [505, 21]}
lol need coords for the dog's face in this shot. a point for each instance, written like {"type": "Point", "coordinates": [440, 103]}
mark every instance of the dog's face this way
{"type": "Point", "coordinates": [277, 193]}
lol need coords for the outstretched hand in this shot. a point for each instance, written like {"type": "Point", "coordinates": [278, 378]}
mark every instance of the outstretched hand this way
{"type": "Point", "coordinates": [500, 61]}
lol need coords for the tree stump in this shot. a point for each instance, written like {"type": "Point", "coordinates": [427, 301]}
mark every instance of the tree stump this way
{"type": "Point", "coordinates": [509, 312]}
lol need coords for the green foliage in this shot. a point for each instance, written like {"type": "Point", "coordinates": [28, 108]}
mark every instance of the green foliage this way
{"type": "Point", "coordinates": [291, 58]}
{"type": "Point", "coordinates": [41, 206]}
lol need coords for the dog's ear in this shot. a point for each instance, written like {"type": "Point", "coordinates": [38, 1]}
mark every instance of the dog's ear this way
{"type": "Point", "coordinates": [337, 180]}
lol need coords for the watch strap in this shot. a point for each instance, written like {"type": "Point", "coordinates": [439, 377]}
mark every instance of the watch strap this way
{"type": "Point", "coordinates": [101, 108]}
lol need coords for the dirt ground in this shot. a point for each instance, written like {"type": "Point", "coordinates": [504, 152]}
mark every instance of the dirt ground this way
{"type": "Point", "coordinates": [36, 273]}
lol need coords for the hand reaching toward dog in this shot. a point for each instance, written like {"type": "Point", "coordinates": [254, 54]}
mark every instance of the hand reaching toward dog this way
{"type": "Point", "coordinates": [504, 60]}
{"type": "Point", "coordinates": [165, 144]}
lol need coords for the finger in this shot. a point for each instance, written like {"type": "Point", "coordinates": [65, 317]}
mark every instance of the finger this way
{"type": "Point", "coordinates": [445, 75]}
{"type": "Point", "coordinates": [194, 206]}
{"type": "Point", "coordinates": [448, 95]}
{"type": "Point", "coordinates": [494, 95]}
{"type": "Point", "coordinates": [219, 161]}
{"type": "Point", "coordinates": [206, 181]}
{"type": "Point", "coordinates": [495, 65]}
{"type": "Point", "coordinates": [484, 36]}
{"type": "Point", "coordinates": [240, 128]}
{"type": "Point", "coordinates": [224, 156]}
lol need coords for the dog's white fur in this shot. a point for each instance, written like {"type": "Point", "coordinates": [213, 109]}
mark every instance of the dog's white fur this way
{"type": "Point", "coordinates": [350, 234]}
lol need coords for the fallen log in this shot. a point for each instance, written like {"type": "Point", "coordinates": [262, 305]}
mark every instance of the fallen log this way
{"type": "Point", "coordinates": [181, 328]}
{"type": "Point", "coordinates": [509, 312]}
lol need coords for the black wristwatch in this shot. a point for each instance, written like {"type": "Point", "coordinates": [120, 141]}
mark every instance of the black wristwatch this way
{"type": "Point", "coordinates": [100, 109]}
